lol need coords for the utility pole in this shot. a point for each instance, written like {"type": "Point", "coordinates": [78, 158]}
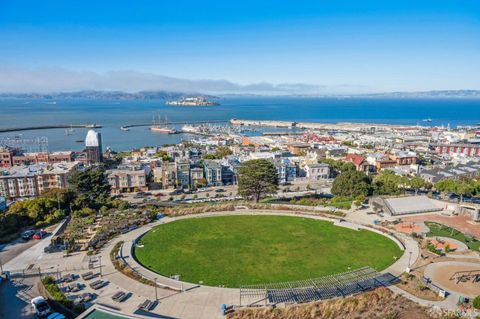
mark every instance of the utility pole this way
{"type": "Point", "coordinates": [156, 295]}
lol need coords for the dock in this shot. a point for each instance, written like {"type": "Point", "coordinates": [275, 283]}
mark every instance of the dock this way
{"type": "Point", "coordinates": [124, 127]}
{"type": "Point", "coordinates": [341, 126]}
{"type": "Point", "coordinates": [47, 127]}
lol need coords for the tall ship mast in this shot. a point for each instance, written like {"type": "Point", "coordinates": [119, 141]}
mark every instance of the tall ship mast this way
{"type": "Point", "coordinates": [159, 127]}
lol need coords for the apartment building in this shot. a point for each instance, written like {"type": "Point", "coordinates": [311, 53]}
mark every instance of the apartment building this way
{"type": "Point", "coordinates": [32, 180]}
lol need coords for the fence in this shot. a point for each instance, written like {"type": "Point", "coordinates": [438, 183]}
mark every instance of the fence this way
{"type": "Point", "coordinates": [326, 287]}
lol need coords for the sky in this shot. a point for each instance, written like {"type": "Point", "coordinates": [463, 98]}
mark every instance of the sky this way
{"type": "Point", "coordinates": [322, 46]}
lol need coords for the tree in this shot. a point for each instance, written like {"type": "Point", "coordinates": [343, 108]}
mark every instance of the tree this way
{"type": "Point", "coordinates": [389, 183]}
{"type": "Point", "coordinates": [446, 186]}
{"type": "Point", "coordinates": [417, 183]}
{"type": "Point", "coordinates": [257, 178]}
{"type": "Point", "coordinates": [91, 187]}
{"type": "Point", "coordinates": [222, 152]}
{"type": "Point", "coordinates": [351, 184]}
{"type": "Point", "coordinates": [338, 166]}
{"type": "Point", "coordinates": [464, 187]}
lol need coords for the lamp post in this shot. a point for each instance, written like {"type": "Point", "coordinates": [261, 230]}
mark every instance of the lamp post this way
{"type": "Point", "coordinates": [156, 295]}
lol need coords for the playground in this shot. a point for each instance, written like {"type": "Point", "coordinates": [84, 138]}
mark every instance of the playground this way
{"type": "Point", "coordinates": [410, 228]}
{"type": "Point", "coordinates": [460, 277]}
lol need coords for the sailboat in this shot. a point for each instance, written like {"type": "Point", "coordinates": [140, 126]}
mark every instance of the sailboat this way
{"type": "Point", "coordinates": [159, 127]}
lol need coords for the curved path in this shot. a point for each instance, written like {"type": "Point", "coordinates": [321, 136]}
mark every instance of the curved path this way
{"type": "Point", "coordinates": [204, 301]}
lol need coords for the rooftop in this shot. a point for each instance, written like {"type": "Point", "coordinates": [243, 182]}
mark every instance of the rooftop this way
{"type": "Point", "coordinates": [37, 169]}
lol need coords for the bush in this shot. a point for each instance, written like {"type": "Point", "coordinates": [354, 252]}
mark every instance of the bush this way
{"type": "Point", "coordinates": [57, 295]}
{"type": "Point", "coordinates": [476, 302]}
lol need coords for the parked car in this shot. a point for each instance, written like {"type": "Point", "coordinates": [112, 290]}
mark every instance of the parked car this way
{"type": "Point", "coordinates": [56, 315]}
{"type": "Point", "coordinates": [27, 235]}
{"type": "Point", "coordinates": [176, 192]}
{"type": "Point", "coordinates": [41, 307]}
{"type": "Point", "coordinates": [40, 234]}
{"type": "Point", "coordinates": [220, 190]}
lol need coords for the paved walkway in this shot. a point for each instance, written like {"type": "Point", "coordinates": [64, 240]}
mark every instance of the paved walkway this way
{"type": "Point", "coordinates": [204, 301]}
{"type": "Point", "coordinates": [199, 302]}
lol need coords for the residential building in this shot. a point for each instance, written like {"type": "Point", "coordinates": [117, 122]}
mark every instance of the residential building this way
{"type": "Point", "coordinates": [298, 148]}
{"type": "Point", "coordinates": [196, 177]}
{"type": "Point", "coordinates": [32, 180]}
{"type": "Point", "coordinates": [360, 162]}
{"type": "Point", "coordinates": [169, 175]}
{"type": "Point", "coordinates": [183, 174]}
{"type": "Point", "coordinates": [6, 157]}
{"type": "Point", "coordinates": [286, 170]}
{"type": "Point", "coordinates": [127, 179]}
{"type": "Point", "coordinates": [213, 172]}
{"type": "Point", "coordinates": [3, 204]}
{"type": "Point", "coordinates": [469, 170]}
{"type": "Point", "coordinates": [317, 172]}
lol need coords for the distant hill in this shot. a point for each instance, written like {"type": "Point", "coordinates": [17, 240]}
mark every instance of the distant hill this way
{"type": "Point", "coordinates": [104, 95]}
{"type": "Point", "coordinates": [431, 94]}
{"type": "Point", "coordinates": [166, 95]}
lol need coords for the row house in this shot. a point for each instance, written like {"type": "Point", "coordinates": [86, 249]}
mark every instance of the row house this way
{"type": "Point", "coordinates": [127, 179]}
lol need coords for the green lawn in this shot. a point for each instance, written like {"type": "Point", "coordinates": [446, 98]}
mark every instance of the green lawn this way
{"type": "Point", "coordinates": [235, 250]}
{"type": "Point", "coordinates": [441, 230]}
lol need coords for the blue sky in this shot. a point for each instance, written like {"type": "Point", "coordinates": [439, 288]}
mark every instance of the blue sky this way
{"type": "Point", "coordinates": [341, 46]}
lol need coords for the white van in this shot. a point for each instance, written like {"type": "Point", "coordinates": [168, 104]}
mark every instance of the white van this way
{"type": "Point", "coordinates": [41, 307]}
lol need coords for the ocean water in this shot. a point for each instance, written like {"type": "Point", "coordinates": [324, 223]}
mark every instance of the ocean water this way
{"type": "Point", "coordinates": [113, 114]}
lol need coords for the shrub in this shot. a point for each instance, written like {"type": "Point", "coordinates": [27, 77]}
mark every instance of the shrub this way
{"type": "Point", "coordinates": [476, 302]}
{"type": "Point", "coordinates": [57, 295]}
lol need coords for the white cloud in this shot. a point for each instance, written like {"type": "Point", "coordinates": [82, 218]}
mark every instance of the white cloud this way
{"type": "Point", "coordinates": [52, 79]}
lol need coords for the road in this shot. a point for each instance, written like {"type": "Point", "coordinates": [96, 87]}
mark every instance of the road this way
{"type": "Point", "coordinates": [297, 188]}
{"type": "Point", "coordinates": [15, 299]}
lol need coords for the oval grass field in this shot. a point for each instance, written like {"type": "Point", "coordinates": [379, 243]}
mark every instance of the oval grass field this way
{"type": "Point", "coordinates": [239, 250]}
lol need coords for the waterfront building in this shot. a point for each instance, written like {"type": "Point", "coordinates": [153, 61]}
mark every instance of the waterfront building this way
{"type": "Point", "coordinates": [127, 179]}
{"type": "Point", "coordinates": [32, 180]}
{"type": "Point", "coordinates": [93, 147]}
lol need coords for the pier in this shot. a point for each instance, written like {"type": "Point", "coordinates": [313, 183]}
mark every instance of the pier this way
{"type": "Point", "coordinates": [124, 127]}
{"type": "Point", "coordinates": [48, 127]}
{"type": "Point", "coordinates": [342, 126]}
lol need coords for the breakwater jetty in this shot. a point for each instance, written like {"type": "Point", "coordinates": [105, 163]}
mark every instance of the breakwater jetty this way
{"type": "Point", "coordinates": [48, 127]}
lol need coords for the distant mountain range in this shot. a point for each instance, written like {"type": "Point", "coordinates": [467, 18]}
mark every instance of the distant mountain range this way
{"type": "Point", "coordinates": [166, 95]}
